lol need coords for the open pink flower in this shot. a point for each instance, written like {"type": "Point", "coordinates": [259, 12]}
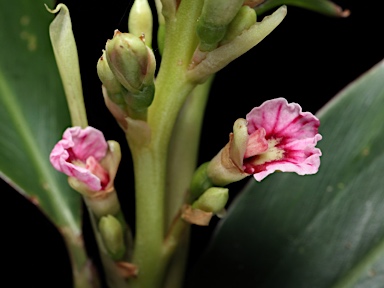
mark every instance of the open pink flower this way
{"type": "Point", "coordinates": [287, 137]}
{"type": "Point", "coordinates": [274, 136]}
{"type": "Point", "coordinates": [78, 155]}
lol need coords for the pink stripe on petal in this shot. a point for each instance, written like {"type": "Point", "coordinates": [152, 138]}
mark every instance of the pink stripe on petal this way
{"type": "Point", "coordinates": [282, 120]}
{"type": "Point", "coordinates": [295, 133]}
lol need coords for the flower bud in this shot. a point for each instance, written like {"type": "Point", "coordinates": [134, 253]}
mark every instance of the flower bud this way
{"type": "Point", "coordinates": [109, 81]}
{"type": "Point", "coordinates": [213, 200]}
{"type": "Point", "coordinates": [106, 76]}
{"type": "Point", "coordinates": [215, 17]}
{"type": "Point", "coordinates": [140, 21]}
{"type": "Point", "coordinates": [200, 182]}
{"type": "Point", "coordinates": [113, 236]}
{"type": "Point", "coordinates": [244, 19]}
{"type": "Point", "coordinates": [131, 61]}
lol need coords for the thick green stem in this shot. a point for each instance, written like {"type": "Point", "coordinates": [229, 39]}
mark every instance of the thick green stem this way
{"type": "Point", "coordinates": [150, 161]}
{"type": "Point", "coordinates": [183, 149]}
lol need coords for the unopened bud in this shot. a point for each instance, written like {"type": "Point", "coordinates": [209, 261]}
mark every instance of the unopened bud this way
{"type": "Point", "coordinates": [113, 236]}
{"type": "Point", "coordinates": [131, 61]}
{"type": "Point", "coordinates": [215, 17]}
{"type": "Point", "coordinates": [200, 182]}
{"type": "Point", "coordinates": [213, 200]}
{"type": "Point", "coordinates": [244, 19]}
{"type": "Point", "coordinates": [106, 76]}
{"type": "Point", "coordinates": [140, 21]}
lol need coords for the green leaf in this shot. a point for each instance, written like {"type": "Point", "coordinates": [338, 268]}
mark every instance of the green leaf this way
{"type": "Point", "coordinates": [323, 230]}
{"type": "Point", "coordinates": [33, 112]}
{"type": "Point", "coordinates": [320, 6]}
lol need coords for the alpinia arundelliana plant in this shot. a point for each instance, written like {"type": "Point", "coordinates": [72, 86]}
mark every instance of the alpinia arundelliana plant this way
{"type": "Point", "coordinates": [146, 110]}
{"type": "Point", "coordinates": [155, 102]}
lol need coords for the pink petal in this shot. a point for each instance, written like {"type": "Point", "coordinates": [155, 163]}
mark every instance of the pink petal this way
{"type": "Point", "coordinates": [85, 143]}
{"type": "Point", "coordinates": [256, 144]}
{"type": "Point", "coordinates": [59, 157]}
{"type": "Point", "coordinates": [295, 133]}
{"type": "Point", "coordinates": [301, 157]}
{"type": "Point", "coordinates": [76, 147]}
{"type": "Point", "coordinates": [282, 120]}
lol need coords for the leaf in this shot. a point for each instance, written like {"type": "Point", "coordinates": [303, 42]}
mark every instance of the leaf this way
{"type": "Point", "coordinates": [320, 6]}
{"type": "Point", "coordinates": [323, 230]}
{"type": "Point", "coordinates": [33, 112]}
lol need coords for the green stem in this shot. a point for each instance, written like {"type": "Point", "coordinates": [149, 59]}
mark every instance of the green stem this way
{"type": "Point", "coordinates": [150, 161]}
{"type": "Point", "coordinates": [184, 149]}
{"type": "Point", "coordinates": [82, 268]}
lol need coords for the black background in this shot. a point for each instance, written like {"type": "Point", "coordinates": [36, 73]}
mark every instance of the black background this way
{"type": "Point", "coordinates": [308, 59]}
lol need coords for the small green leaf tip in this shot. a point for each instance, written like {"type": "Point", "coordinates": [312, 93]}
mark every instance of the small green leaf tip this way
{"type": "Point", "coordinates": [324, 7]}
{"type": "Point", "coordinates": [65, 50]}
{"type": "Point", "coordinates": [202, 66]}
{"type": "Point", "coordinates": [112, 235]}
{"type": "Point", "coordinates": [213, 200]}
{"type": "Point", "coordinates": [140, 21]}
{"type": "Point", "coordinates": [244, 19]}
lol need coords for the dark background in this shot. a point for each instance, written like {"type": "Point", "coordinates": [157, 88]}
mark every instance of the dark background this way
{"type": "Point", "coordinates": [308, 59]}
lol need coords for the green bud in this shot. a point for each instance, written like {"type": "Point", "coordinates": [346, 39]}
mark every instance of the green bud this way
{"type": "Point", "coordinates": [244, 19]}
{"type": "Point", "coordinates": [141, 100]}
{"type": "Point", "coordinates": [113, 86]}
{"type": "Point", "coordinates": [113, 236]}
{"type": "Point", "coordinates": [213, 200]}
{"type": "Point", "coordinates": [213, 22]}
{"type": "Point", "coordinates": [106, 76]}
{"type": "Point", "coordinates": [200, 182]}
{"type": "Point", "coordinates": [220, 12]}
{"type": "Point", "coordinates": [131, 61]}
{"type": "Point", "coordinates": [140, 21]}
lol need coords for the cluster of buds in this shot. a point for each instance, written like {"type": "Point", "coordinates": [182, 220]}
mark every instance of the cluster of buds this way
{"type": "Point", "coordinates": [127, 69]}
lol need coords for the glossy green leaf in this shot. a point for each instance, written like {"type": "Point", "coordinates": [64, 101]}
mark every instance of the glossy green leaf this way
{"type": "Point", "coordinates": [320, 6]}
{"type": "Point", "coordinates": [33, 112]}
{"type": "Point", "coordinates": [324, 230]}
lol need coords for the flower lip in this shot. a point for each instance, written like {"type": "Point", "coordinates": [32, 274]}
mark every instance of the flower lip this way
{"type": "Point", "coordinates": [291, 135]}
{"type": "Point", "coordinates": [76, 149]}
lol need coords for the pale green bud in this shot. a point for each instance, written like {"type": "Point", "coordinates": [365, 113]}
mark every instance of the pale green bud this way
{"type": "Point", "coordinates": [113, 236]}
{"type": "Point", "coordinates": [131, 61]}
{"type": "Point", "coordinates": [200, 182]}
{"type": "Point", "coordinates": [113, 86]}
{"type": "Point", "coordinates": [215, 17]}
{"type": "Point", "coordinates": [213, 200]}
{"type": "Point", "coordinates": [106, 76]}
{"type": "Point", "coordinates": [140, 21]}
{"type": "Point", "coordinates": [244, 19]}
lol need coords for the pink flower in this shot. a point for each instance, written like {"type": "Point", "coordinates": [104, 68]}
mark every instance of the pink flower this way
{"type": "Point", "coordinates": [276, 136]}
{"type": "Point", "coordinates": [79, 154]}
{"type": "Point", "coordinates": [287, 137]}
